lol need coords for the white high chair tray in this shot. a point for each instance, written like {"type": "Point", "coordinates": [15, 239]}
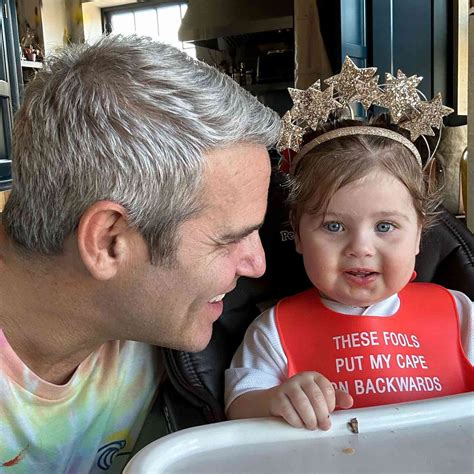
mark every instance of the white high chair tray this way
{"type": "Point", "coordinates": [434, 435]}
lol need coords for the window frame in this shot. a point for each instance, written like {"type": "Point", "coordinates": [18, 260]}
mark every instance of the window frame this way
{"type": "Point", "coordinates": [134, 7]}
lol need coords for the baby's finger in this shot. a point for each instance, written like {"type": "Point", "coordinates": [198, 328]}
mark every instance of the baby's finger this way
{"type": "Point", "coordinates": [318, 400]}
{"type": "Point", "coordinates": [304, 407]}
{"type": "Point", "coordinates": [327, 390]}
{"type": "Point", "coordinates": [285, 409]}
{"type": "Point", "coordinates": [343, 399]}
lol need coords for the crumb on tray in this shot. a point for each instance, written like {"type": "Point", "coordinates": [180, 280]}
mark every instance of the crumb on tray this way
{"type": "Point", "coordinates": [353, 425]}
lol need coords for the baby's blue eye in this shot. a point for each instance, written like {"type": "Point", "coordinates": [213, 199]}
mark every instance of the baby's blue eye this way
{"type": "Point", "coordinates": [333, 226]}
{"type": "Point", "coordinates": [384, 227]}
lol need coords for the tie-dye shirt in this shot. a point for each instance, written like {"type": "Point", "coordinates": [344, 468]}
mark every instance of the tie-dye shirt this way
{"type": "Point", "coordinates": [89, 424]}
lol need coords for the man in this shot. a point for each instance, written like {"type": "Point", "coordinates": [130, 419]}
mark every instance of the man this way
{"type": "Point", "coordinates": [140, 183]}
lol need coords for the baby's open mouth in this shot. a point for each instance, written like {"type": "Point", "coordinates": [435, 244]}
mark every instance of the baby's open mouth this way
{"type": "Point", "coordinates": [361, 273]}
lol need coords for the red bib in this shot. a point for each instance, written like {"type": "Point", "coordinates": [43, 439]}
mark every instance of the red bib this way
{"type": "Point", "coordinates": [414, 354]}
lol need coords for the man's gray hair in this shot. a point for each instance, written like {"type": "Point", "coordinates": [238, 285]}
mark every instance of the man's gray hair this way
{"type": "Point", "coordinates": [126, 119]}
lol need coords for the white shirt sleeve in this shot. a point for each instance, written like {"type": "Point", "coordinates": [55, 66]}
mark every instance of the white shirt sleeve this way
{"type": "Point", "coordinates": [466, 315]}
{"type": "Point", "coordinates": [259, 362]}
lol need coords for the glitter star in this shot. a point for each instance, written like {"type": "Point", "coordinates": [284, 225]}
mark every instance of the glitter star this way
{"type": "Point", "coordinates": [302, 99]}
{"type": "Point", "coordinates": [400, 95]}
{"type": "Point", "coordinates": [367, 92]}
{"type": "Point", "coordinates": [315, 106]}
{"type": "Point", "coordinates": [430, 115]}
{"type": "Point", "coordinates": [434, 110]}
{"type": "Point", "coordinates": [345, 82]}
{"type": "Point", "coordinates": [417, 126]}
{"type": "Point", "coordinates": [291, 136]}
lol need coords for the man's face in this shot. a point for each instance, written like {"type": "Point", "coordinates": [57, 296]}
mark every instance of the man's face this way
{"type": "Point", "coordinates": [363, 250]}
{"type": "Point", "coordinates": [176, 306]}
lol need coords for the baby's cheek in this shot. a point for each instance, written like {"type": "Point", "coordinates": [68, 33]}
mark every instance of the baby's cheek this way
{"type": "Point", "coordinates": [399, 270]}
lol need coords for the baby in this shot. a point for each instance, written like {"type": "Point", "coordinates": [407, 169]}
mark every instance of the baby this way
{"type": "Point", "coordinates": [364, 335]}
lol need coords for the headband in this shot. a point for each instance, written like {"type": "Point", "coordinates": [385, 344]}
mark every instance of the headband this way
{"type": "Point", "coordinates": [399, 95]}
{"type": "Point", "coordinates": [350, 131]}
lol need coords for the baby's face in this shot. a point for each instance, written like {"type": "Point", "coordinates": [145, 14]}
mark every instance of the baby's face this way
{"type": "Point", "coordinates": [363, 250]}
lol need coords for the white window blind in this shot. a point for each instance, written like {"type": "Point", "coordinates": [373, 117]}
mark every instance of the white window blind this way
{"type": "Point", "coordinates": [160, 22]}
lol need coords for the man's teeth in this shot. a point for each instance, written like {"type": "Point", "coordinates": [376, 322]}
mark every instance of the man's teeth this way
{"type": "Point", "coordinates": [216, 299]}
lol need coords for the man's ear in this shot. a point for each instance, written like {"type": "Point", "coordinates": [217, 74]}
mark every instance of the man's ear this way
{"type": "Point", "coordinates": [102, 238]}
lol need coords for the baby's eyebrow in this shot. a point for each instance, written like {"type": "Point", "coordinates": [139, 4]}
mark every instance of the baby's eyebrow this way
{"type": "Point", "coordinates": [378, 215]}
{"type": "Point", "coordinates": [392, 214]}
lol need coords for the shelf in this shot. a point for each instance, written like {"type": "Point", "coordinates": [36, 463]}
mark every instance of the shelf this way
{"type": "Point", "coordinates": [5, 184]}
{"type": "Point", "coordinates": [31, 64]}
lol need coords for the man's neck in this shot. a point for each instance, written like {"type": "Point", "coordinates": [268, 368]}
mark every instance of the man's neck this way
{"type": "Point", "coordinates": [51, 358]}
{"type": "Point", "coordinates": [44, 317]}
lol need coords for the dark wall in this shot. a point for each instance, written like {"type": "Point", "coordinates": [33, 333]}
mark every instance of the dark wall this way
{"type": "Point", "coordinates": [416, 37]}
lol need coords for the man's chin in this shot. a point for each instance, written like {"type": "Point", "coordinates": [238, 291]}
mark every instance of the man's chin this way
{"type": "Point", "coordinates": [196, 344]}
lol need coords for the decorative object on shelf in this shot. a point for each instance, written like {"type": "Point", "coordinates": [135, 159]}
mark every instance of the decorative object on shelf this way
{"type": "Point", "coordinates": [236, 75]}
{"type": "Point", "coordinates": [30, 48]}
{"type": "Point", "coordinates": [407, 106]}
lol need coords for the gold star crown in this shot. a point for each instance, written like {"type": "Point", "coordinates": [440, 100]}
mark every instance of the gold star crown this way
{"type": "Point", "coordinates": [399, 95]}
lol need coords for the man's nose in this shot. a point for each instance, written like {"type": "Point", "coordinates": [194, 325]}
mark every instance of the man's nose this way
{"type": "Point", "coordinates": [251, 257]}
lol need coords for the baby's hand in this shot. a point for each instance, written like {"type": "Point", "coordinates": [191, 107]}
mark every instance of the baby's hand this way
{"type": "Point", "coordinates": [307, 399]}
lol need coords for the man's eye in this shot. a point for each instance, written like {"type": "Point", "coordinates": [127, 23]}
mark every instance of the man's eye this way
{"type": "Point", "coordinates": [384, 227]}
{"type": "Point", "coordinates": [236, 241]}
{"type": "Point", "coordinates": [229, 243]}
{"type": "Point", "coordinates": [334, 226]}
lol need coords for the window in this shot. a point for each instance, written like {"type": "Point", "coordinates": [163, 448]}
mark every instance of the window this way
{"type": "Point", "coordinates": [161, 22]}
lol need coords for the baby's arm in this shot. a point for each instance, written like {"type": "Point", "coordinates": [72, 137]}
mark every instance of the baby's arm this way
{"type": "Point", "coordinates": [257, 384]}
{"type": "Point", "coordinates": [466, 322]}
{"type": "Point", "coordinates": [306, 399]}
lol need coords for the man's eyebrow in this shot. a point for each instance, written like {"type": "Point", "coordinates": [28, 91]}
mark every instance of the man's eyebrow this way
{"type": "Point", "coordinates": [241, 234]}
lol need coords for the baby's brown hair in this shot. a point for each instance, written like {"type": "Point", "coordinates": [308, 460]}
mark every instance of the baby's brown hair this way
{"type": "Point", "coordinates": [331, 165]}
